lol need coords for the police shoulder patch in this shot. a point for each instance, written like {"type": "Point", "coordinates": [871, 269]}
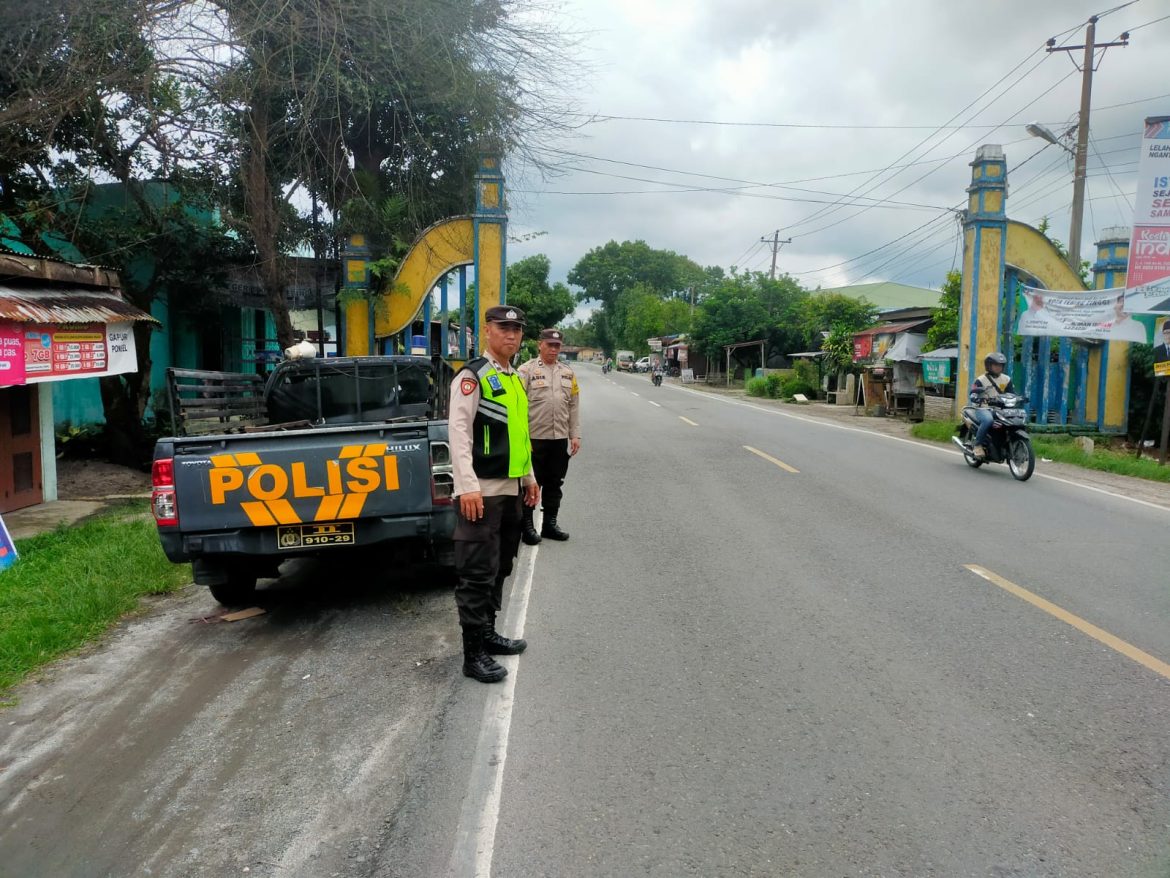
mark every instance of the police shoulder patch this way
{"type": "Point", "coordinates": [468, 385]}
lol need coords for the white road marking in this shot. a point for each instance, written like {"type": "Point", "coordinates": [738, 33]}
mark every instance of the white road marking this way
{"type": "Point", "coordinates": [687, 420]}
{"type": "Point", "coordinates": [635, 393]}
{"type": "Point", "coordinates": [475, 837]}
{"type": "Point", "coordinates": [653, 403]}
{"type": "Point", "coordinates": [942, 449]}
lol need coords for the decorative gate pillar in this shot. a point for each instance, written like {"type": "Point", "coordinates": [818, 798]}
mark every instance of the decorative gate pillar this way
{"type": "Point", "coordinates": [1110, 409]}
{"type": "Point", "coordinates": [478, 240]}
{"type": "Point", "coordinates": [984, 249]}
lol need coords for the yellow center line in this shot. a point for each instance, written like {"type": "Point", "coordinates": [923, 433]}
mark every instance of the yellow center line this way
{"type": "Point", "coordinates": [687, 420]}
{"type": "Point", "coordinates": [771, 459]}
{"type": "Point", "coordinates": [1099, 634]}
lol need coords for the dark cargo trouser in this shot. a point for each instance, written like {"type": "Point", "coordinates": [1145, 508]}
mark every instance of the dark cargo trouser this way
{"type": "Point", "coordinates": [550, 462]}
{"type": "Point", "coordinates": [484, 551]}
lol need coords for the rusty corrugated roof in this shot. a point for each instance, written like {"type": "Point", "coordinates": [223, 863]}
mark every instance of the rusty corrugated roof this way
{"type": "Point", "coordinates": [66, 305]}
{"type": "Point", "coordinates": [892, 328]}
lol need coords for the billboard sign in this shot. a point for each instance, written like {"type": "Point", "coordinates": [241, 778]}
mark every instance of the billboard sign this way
{"type": "Point", "coordinates": [1147, 286]}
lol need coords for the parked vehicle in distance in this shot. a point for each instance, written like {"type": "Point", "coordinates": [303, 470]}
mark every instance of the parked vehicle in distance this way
{"type": "Point", "coordinates": [624, 361]}
{"type": "Point", "coordinates": [643, 365]}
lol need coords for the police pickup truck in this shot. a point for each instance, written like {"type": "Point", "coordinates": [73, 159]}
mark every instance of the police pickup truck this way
{"type": "Point", "coordinates": [329, 456]}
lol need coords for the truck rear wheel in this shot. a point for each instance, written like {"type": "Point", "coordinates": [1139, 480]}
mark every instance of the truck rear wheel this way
{"type": "Point", "coordinates": [239, 590]}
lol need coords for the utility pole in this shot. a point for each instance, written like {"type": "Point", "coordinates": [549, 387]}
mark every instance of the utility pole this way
{"type": "Point", "coordinates": [776, 243]}
{"type": "Point", "coordinates": [1082, 154]}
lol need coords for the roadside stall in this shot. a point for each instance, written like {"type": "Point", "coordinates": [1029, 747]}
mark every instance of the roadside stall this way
{"type": "Point", "coordinates": [58, 322]}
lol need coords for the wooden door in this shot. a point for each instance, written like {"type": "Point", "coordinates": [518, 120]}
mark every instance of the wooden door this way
{"type": "Point", "coordinates": [20, 448]}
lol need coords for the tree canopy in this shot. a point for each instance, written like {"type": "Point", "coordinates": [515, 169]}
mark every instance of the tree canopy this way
{"type": "Point", "coordinates": [544, 305]}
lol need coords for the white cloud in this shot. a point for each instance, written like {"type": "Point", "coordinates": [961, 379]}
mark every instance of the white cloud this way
{"type": "Point", "coordinates": [846, 62]}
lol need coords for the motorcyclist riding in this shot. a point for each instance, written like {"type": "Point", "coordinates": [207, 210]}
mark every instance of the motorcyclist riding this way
{"type": "Point", "coordinates": [987, 387]}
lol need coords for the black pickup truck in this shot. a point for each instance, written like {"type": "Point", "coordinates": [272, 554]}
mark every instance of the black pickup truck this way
{"type": "Point", "coordinates": [329, 456]}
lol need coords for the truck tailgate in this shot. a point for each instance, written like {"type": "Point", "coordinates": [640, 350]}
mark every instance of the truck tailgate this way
{"type": "Point", "coordinates": [301, 477]}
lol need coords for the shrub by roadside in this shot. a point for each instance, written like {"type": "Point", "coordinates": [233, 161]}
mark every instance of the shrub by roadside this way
{"type": "Point", "coordinates": [72, 584]}
{"type": "Point", "coordinates": [1061, 449]}
{"type": "Point", "coordinates": [780, 385]}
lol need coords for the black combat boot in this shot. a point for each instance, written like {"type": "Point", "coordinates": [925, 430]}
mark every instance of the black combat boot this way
{"type": "Point", "coordinates": [497, 644]}
{"type": "Point", "coordinates": [529, 534]}
{"type": "Point", "coordinates": [549, 527]}
{"type": "Point", "coordinates": [477, 664]}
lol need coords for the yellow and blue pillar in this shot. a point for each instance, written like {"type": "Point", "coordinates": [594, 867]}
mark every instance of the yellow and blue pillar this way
{"type": "Point", "coordinates": [1108, 367]}
{"type": "Point", "coordinates": [984, 249]}
{"type": "Point", "coordinates": [491, 226]}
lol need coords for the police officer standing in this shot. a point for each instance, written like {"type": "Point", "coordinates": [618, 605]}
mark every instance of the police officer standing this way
{"type": "Point", "coordinates": [554, 416]}
{"type": "Point", "coordinates": [491, 456]}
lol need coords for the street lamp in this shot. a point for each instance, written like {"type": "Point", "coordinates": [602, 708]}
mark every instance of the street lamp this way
{"type": "Point", "coordinates": [1045, 133]}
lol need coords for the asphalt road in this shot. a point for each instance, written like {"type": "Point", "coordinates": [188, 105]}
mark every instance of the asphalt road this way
{"type": "Point", "coordinates": [735, 669]}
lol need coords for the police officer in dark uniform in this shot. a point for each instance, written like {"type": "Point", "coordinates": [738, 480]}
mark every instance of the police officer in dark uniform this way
{"type": "Point", "coordinates": [491, 455]}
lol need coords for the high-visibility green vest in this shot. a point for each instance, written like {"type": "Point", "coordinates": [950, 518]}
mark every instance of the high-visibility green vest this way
{"type": "Point", "coordinates": [500, 444]}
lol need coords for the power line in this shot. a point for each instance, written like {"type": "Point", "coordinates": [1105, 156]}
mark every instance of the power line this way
{"type": "Point", "coordinates": [726, 190]}
{"type": "Point", "coordinates": [934, 170]}
{"type": "Point", "coordinates": [598, 117]}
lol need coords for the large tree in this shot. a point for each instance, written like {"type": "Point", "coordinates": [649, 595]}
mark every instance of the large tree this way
{"type": "Point", "coordinates": [545, 304]}
{"type": "Point", "coordinates": [945, 329]}
{"type": "Point", "coordinates": [375, 111]}
{"type": "Point", "coordinates": [823, 312]}
{"type": "Point", "coordinates": [618, 276]}
{"type": "Point", "coordinates": [747, 307]}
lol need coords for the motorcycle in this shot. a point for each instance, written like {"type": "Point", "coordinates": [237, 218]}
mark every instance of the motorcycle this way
{"type": "Point", "coordinates": [605, 367]}
{"type": "Point", "coordinates": [656, 378]}
{"type": "Point", "coordinates": [1007, 440]}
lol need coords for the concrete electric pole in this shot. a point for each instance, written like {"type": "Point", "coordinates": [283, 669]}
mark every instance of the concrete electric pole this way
{"type": "Point", "coordinates": [1082, 152]}
{"type": "Point", "coordinates": [776, 243]}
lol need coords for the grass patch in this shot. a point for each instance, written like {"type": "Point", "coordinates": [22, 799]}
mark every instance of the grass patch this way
{"type": "Point", "coordinates": [72, 584]}
{"type": "Point", "coordinates": [935, 431]}
{"type": "Point", "coordinates": [1061, 449]}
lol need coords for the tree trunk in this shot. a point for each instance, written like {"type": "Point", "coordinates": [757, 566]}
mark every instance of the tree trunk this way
{"type": "Point", "coordinates": [264, 221]}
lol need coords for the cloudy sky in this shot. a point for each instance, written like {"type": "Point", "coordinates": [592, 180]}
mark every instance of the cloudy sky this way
{"type": "Point", "coordinates": [832, 100]}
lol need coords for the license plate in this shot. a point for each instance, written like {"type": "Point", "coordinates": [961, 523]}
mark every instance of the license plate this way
{"type": "Point", "coordinates": [310, 536]}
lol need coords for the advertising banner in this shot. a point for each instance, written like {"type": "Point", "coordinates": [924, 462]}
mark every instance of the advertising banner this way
{"type": "Point", "coordinates": [1097, 314]}
{"type": "Point", "coordinates": [11, 355]}
{"type": "Point", "coordinates": [936, 371]}
{"type": "Point", "coordinates": [31, 353]}
{"type": "Point", "coordinates": [1148, 281]}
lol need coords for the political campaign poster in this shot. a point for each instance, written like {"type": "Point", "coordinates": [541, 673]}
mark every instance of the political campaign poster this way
{"type": "Point", "coordinates": [1097, 314]}
{"type": "Point", "coordinates": [1148, 280]}
{"type": "Point", "coordinates": [1162, 350]}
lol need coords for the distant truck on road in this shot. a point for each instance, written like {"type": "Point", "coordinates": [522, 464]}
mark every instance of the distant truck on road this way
{"type": "Point", "coordinates": [625, 361]}
{"type": "Point", "coordinates": [328, 457]}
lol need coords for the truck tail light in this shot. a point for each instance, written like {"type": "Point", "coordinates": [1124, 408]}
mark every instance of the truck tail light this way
{"type": "Point", "coordinates": [442, 475]}
{"type": "Point", "coordinates": [163, 502]}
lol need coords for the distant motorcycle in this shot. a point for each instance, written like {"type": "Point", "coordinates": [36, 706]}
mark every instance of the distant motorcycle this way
{"type": "Point", "coordinates": [1007, 441]}
{"type": "Point", "coordinates": [605, 367]}
{"type": "Point", "coordinates": [656, 378]}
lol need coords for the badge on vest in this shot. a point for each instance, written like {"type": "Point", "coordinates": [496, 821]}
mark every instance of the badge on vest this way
{"type": "Point", "coordinates": [495, 384]}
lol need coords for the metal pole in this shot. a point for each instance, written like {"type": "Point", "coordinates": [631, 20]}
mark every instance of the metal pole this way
{"type": "Point", "coordinates": [1165, 427]}
{"type": "Point", "coordinates": [1082, 154]}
